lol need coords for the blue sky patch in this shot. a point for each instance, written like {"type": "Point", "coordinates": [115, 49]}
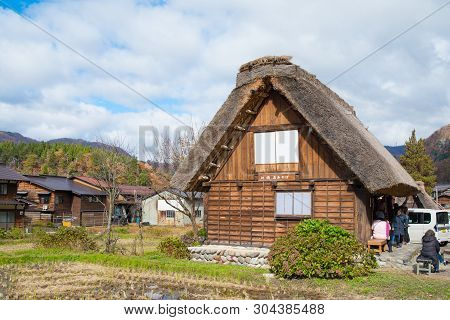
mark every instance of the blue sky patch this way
{"type": "Point", "coordinates": [18, 6]}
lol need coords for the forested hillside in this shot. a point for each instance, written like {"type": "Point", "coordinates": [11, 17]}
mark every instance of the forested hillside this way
{"type": "Point", "coordinates": [64, 160]}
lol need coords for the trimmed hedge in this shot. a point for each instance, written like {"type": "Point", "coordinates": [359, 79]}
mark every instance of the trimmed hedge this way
{"type": "Point", "coordinates": [315, 248]}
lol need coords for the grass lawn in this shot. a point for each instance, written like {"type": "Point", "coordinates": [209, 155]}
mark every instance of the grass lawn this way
{"type": "Point", "coordinates": [36, 273]}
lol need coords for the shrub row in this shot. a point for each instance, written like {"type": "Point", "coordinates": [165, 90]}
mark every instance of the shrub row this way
{"type": "Point", "coordinates": [74, 238]}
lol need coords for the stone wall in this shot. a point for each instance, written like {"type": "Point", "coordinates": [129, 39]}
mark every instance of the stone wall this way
{"type": "Point", "coordinates": [246, 256]}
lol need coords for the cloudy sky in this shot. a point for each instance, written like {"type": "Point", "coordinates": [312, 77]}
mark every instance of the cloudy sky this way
{"type": "Point", "coordinates": [184, 55]}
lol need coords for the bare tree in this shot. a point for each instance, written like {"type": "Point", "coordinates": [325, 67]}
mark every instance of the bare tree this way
{"type": "Point", "coordinates": [166, 158]}
{"type": "Point", "coordinates": [109, 169]}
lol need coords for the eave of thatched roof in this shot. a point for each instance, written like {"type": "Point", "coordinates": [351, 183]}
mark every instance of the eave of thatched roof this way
{"type": "Point", "coordinates": [329, 115]}
{"type": "Point", "coordinates": [425, 199]}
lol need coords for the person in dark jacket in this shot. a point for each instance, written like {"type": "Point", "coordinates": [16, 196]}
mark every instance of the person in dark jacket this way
{"type": "Point", "coordinates": [399, 228]}
{"type": "Point", "coordinates": [405, 219]}
{"type": "Point", "coordinates": [430, 249]}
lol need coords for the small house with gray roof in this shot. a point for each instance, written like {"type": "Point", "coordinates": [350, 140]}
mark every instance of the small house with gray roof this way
{"type": "Point", "coordinates": [57, 198]}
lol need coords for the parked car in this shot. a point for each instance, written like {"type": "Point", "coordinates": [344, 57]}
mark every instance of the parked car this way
{"type": "Point", "coordinates": [421, 220]}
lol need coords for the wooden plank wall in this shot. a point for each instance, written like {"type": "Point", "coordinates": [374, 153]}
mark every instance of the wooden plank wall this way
{"type": "Point", "coordinates": [316, 159]}
{"type": "Point", "coordinates": [11, 192]}
{"type": "Point", "coordinates": [93, 218]}
{"type": "Point", "coordinates": [245, 215]}
{"type": "Point", "coordinates": [36, 216]}
{"type": "Point", "coordinates": [241, 210]}
{"type": "Point", "coordinates": [66, 206]}
{"type": "Point", "coordinates": [33, 196]}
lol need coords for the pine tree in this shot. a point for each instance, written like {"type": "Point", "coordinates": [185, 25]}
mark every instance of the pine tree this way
{"type": "Point", "coordinates": [418, 163]}
{"type": "Point", "coordinates": [31, 164]}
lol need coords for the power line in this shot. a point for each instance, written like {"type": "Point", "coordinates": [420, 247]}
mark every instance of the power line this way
{"type": "Point", "coordinates": [388, 42]}
{"type": "Point", "coordinates": [90, 61]}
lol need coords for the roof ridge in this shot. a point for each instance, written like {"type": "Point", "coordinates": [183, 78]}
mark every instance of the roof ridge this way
{"type": "Point", "coordinates": [266, 60]}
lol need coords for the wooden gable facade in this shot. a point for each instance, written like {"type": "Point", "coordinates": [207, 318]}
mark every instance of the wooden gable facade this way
{"type": "Point", "coordinates": [241, 202]}
{"type": "Point", "coordinates": [282, 148]}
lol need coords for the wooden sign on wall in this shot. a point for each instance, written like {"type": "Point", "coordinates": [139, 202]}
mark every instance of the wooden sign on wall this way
{"type": "Point", "coordinates": [276, 176]}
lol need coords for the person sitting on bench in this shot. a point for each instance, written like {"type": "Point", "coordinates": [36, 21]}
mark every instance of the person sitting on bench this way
{"type": "Point", "coordinates": [430, 249]}
{"type": "Point", "coordinates": [380, 227]}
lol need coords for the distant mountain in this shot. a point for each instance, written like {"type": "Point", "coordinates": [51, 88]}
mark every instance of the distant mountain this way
{"type": "Point", "coordinates": [438, 147]}
{"type": "Point", "coordinates": [14, 137]}
{"type": "Point", "coordinates": [17, 138]}
{"type": "Point", "coordinates": [396, 151]}
{"type": "Point", "coordinates": [85, 143]}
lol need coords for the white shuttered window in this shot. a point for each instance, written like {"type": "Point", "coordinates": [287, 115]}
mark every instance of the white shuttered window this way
{"type": "Point", "coordinates": [276, 147]}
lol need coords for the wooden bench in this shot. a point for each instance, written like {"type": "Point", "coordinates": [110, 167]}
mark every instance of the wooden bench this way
{"type": "Point", "coordinates": [423, 264]}
{"type": "Point", "coordinates": [377, 243]}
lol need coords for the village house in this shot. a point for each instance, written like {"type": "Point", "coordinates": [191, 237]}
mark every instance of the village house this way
{"type": "Point", "coordinates": [58, 199]}
{"type": "Point", "coordinates": [283, 148]}
{"type": "Point", "coordinates": [165, 208]}
{"type": "Point", "coordinates": [128, 203]}
{"type": "Point", "coordinates": [11, 208]}
{"type": "Point", "coordinates": [442, 195]}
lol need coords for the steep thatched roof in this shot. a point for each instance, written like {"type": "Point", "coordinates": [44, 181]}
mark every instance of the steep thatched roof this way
{"type": "Point", "coordinates": [330, 116]}
{"type": "Point", "coordinates": [425, 199]}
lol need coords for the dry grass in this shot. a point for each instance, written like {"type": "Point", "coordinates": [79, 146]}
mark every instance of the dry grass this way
{"type": "Point", "coordinates": [74, 280]}
{"type": "Point", "coordinates": [152, 235]}
{"type": "Point", "coordinates": [89, 281]}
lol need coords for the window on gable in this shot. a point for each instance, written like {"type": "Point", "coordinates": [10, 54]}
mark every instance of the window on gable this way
{"type": "Point", "coordinates": [276, 147]}
{"type": "Point", "coordinates": [198, 213]}
{"type": "Point", "coordinates": [293, 203]}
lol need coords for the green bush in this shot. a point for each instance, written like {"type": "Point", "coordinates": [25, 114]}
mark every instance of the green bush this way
{"type": "Point", "coordinates": [202, 233]}
{"type": "Point", "coordinates": [50, 225]}
{"type": "Point", "coordinates": [13, 233]}
{"type": "Point", "coordinates": [315, 248]}
{"type": "Point", "coordinates": [74, 238]}
{"type": "Point", "coordinates": [189, 239]}
{"type": "Point", "coordinates": [16, 233]}
{"type": "Point", "coordinates": [174, 247]}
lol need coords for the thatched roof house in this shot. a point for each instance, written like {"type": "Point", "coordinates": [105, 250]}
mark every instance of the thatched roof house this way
{"type": "Point", "coordinates": [327, 113]}
{"type": "Point", "coordinates": [292, 99]}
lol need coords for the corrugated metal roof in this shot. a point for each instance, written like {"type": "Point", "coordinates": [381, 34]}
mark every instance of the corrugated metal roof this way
{"type": "Point", "coordinates": [57, 183]}
{"type": "Point", "coordinates": [7, 173]}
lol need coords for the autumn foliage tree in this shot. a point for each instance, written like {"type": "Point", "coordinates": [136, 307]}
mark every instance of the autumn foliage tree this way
{"type": "Point", "coordinates": [418, 163]}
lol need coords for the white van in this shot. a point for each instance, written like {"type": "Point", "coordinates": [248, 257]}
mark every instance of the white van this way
{"type": "Point", "coordinates": [422, 220]}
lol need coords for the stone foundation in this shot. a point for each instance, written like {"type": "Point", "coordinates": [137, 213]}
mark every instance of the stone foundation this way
{"type": "Point", "coordinates": [245, 256]}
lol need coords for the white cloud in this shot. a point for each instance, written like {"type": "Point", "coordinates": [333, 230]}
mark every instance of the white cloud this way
{"type": "Point", "coordinates": [185, 55]}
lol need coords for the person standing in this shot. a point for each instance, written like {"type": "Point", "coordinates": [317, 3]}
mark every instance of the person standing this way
{"type": "Point", "coordinates": [405, 219]}
{"type": "Point", "coordinates": [399, 228]}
